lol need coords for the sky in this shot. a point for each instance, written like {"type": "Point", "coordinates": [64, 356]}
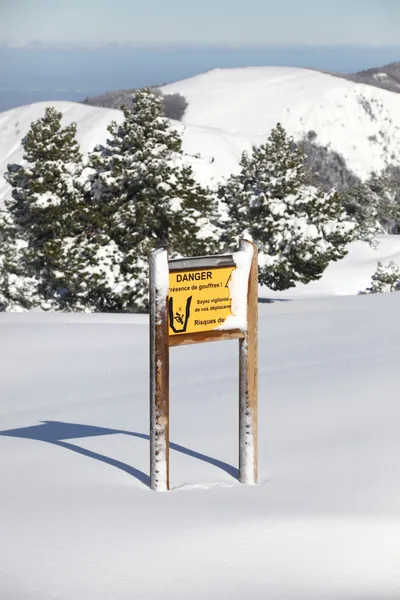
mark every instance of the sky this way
{"type": "Point", "coordinates": [315, 22]}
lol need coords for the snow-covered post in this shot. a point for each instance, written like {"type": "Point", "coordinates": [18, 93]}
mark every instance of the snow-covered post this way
{"type": "Point", "coordinates": [159, 371]}
{"type": "Point", "coordinates": [248, 378]}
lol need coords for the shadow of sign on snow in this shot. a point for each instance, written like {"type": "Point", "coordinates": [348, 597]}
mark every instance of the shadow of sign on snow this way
{"type": "Point", "coordinates": [59, 434]}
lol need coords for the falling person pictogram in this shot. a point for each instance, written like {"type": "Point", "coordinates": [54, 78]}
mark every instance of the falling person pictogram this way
{"type": "Point", "coordinates": [179, 317]}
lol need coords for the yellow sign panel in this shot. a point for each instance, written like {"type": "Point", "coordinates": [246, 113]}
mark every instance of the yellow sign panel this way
{"type": "Point", "coordinates": [199, 299]}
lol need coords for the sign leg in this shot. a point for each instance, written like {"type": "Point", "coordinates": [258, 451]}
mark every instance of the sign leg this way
{"type": "Point", "coordinates": [159, 375]}
{"type": "Point", "coordinates": [248, 384]}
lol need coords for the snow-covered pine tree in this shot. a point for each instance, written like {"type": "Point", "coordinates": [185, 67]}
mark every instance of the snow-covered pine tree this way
{"type": "Point", "coordinates": [385, 279]}
{"type": "Point", "coordinates": [361, 204]}
{"type": "Point", "coordinates": [17, 291]}
{"type": "Point", "coordinates": [326, 167]}
{"type": "Point", "coordinates": [385, 188]}
{"type": "Point", "coordinates": [299, 229]}
{"type": "Point", "coordinates": [146, 196]}
{"type": "Point", "coordinates": [391, 175]}
{"type": "Point", "coordinates": [45, 211]}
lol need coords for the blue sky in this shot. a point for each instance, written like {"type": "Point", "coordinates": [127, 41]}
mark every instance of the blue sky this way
{"type": "Point", "coordinates": [316, 22]}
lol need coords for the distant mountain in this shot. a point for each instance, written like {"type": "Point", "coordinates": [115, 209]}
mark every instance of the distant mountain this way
{"type": "Point", "coordinates": [358, 121]}
{"type": "Point", "coordinates": [229, 110]}
{"type": "Point", "coordinates": [386, 77]}
{"type": "Point", "coordinates": [174, 105]}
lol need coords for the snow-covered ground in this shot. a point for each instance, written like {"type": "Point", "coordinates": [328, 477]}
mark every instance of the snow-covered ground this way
{"type": "Point", "coordinates": [77, 518]}
{"type": "Point", "coordinates": [348, 276]}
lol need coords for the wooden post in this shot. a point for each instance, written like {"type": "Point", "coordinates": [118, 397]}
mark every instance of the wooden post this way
{"type": "Point", "coordinates": [159, 372]}
{"type": "Point", "coordinates": [248, 380]}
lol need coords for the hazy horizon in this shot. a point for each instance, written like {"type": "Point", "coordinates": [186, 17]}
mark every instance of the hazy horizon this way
{"type": "Point", "coordinates": [51, 50]}
{"type": "Point", "coordinates": [44, 71]}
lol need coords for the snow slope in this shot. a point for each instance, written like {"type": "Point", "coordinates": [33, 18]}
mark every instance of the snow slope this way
{"type": "Point", "coordinates": [348, 276]}
{"type": "Point", "coordinates": [360, 122]}
{"type": "Point", "coordinates": [78, 520]}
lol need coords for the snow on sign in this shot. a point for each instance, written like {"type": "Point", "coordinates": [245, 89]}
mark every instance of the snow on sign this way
{"type": "Point", "coordinates": [199, 299]}
{"type": "Point", "coordinates": [196, 300]}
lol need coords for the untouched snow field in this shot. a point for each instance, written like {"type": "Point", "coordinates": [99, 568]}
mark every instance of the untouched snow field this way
{"type": "Point", "coordinates": [77, 518]}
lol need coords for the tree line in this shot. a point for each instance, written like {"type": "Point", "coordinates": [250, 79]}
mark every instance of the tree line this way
{"type": "Point", "coordinates": [77, 230]}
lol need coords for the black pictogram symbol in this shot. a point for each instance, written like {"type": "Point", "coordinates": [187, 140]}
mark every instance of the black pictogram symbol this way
{"type": "Point", "coordinates": [179, 317]}
{"type": "Point", "coordinates": [229, 278]}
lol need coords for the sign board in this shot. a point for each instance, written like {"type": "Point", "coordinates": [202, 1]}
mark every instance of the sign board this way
{"type": "Point", "coordinates": [199, 299]}
{"type": "Point", "coordinates": [190, 302]}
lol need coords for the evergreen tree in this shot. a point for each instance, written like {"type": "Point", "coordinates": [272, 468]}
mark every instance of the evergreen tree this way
{"type": "Point", "coordinates": [42, 213]}
{"type": "Point", "coordinates": [299, 229]}
{"type": "Point", "coordinates": [375, 205]}
{"type": "Point", "coordinates": [145, 196]}
{"type": "Point", "coordinates": [385, 279]}
{"type": "Point", "coordinates": [361, 205]}
{"type": "Point", "coordinates": [385, 187]}
{"type": "Point", "coordinates": [392, 175]}
{"type": "Point", "coordinates": [17, 291]}
{"type": "Point", "coordinates": [326, 167]}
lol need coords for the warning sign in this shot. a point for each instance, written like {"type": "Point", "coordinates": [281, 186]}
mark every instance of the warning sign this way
{"type": "Point", "coordinates": [199, 299]}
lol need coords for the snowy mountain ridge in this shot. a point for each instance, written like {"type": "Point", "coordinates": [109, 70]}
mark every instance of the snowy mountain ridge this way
{"type": "Point", "coordinates": [358, 121]}
{"type": "Point", "coordinates": [386, 77]}
{"type": "Point", "coordinates": [232, 109]}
